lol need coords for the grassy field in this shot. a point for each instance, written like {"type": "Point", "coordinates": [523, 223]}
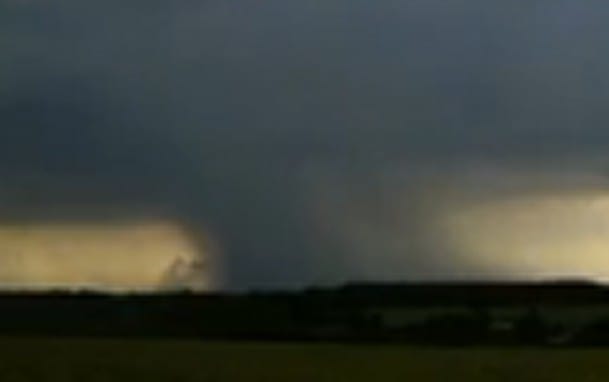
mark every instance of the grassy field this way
{"type": "Point", "coordinates": [143, 361]}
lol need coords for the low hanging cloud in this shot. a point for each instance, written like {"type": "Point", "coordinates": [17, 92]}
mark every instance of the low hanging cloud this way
{"type": "Point", "coordinates": [315, 142]}
{"type": "Point", "coordinates": [497, 223]}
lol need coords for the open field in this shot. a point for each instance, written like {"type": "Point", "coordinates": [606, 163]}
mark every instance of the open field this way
{"type": "Point", "coordinates": [123, 360]}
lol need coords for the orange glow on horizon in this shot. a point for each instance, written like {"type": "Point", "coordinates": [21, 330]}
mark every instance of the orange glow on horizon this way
{"type": "Point", "coordinates": [127, 256]}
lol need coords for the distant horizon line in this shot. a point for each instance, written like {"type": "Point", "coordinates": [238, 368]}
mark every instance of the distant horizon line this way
{"type": "Point", "coordinates": [354, 284]}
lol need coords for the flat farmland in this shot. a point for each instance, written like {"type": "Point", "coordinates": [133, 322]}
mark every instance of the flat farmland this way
{"type": "Point", "coordinates": [149, 360]}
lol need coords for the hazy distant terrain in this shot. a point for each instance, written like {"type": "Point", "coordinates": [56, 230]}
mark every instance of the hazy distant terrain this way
{"type": "Point", "coordinates": [43, 360]}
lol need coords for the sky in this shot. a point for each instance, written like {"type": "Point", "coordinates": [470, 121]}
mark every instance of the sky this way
{"type": "Point", "coordinates": [316, 142]}
{"type": "Point", "coordinates": [124, 256]}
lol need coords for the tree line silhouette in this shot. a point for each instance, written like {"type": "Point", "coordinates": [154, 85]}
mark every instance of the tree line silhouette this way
{"type": "Point", "coordinates": [453, 314]}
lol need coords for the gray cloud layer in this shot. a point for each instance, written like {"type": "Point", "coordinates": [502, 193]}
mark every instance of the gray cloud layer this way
{"type": "Point", "coordinates": [272, 122]}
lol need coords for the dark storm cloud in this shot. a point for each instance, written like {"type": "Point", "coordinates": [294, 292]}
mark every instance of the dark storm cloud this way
{"type": "Point", "coordinates": [252, 117]}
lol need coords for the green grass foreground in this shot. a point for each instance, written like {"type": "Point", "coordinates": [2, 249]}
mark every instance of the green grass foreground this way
{"type": "Point", "coordinates": [148, 361]}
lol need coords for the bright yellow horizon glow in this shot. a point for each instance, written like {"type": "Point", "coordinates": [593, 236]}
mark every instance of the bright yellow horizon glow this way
{"type": "Point", "coordinates": [125, 256]}
{"type": "Point", "coordinates": [539, 236]}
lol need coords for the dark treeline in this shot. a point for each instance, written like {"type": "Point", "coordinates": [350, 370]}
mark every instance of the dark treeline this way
{"type": "Point", "coordinates": [435, 314]}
